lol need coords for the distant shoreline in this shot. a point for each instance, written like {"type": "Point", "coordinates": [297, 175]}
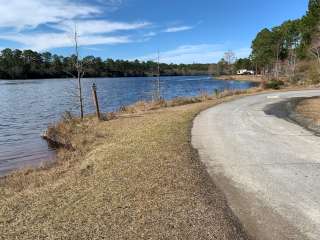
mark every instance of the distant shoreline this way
{"type": "Point", "coordinates": [88, 77]}
{"type": "Point", "coordinates": [250, 78]}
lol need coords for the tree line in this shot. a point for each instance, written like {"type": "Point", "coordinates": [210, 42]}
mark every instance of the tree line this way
{"type": "Point", "coordinates": [279, 50]}
{"type": "Point", "coordinates": [28, 64]}
{"type": "Point", "coordinates": [276, 51]}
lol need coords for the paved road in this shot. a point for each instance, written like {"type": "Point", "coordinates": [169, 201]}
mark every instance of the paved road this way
{"type": "Point", "coordinates": [269, 168]}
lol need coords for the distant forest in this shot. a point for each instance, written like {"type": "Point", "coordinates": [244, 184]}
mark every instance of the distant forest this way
{"type": "Point", "coordinates": [291, 49]}
{"type": "Point", "coordinates": [28, 64]}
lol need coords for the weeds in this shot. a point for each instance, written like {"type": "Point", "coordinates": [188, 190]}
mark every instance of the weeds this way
{"type": "Point", "coordinates": [132, 178]}
{"type": "Point", "coordinates": [143, 106]}
{"type": "Point", "coordinates": [272, 84]}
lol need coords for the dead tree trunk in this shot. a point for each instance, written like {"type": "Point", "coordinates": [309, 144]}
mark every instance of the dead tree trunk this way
{"type": "Point", "coordinates": [80, 96]}
{"type": "Point", "coordinates": [79, 71]}
{"type": "Point", "coordinates": [277, 62]}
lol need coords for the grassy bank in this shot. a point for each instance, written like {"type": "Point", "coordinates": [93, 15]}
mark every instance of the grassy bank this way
{"type": "Point", "coordinates": [134, 177]}
{"type": "Point", "coordinates": [250, 78]}
{"type": "Point", "coordinates": [307, 113]}
{"type": "Point", "coordinates": [310, 108]}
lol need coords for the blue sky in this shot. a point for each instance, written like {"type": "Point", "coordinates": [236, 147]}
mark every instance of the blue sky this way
{"type": "Point", "coordinates": [184, 31]}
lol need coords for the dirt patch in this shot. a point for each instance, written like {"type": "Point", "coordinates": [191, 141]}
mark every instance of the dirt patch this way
{"type": "Point", "coordinates": [135, 177]}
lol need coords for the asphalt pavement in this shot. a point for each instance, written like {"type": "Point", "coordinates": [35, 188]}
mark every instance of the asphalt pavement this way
{"type": "Point", "coordinates": [268, 167]}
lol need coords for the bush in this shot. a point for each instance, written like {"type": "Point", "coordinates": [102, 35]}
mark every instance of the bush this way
{"type": "Point", "coordinates": [274, 84]}
{"type": "Point", "coordinates": [297, 78]}
{"type": "Point", "coordinates": [67, 116]}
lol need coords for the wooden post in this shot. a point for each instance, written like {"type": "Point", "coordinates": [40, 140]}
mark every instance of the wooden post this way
{"type": "Point", "coordinates": [80, 95]}
{"type": "Point", "coordinates": [95, 99]}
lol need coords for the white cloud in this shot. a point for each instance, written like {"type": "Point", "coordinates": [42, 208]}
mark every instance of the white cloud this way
{"type": "Point", "coordinates": [150, 34]}
{"type": "Point", "coordinates": [178, 29]}
{"type": "Point", "coordinates": [32, 13]}
{"type": "Point", "coordinates": [85, 27]}
{"type": "Point", "coordinates": [202, 53]}
{"type": "Point", "coordinates": [20, 20]}
{"type": "Point", "coordinates": [47, 41]}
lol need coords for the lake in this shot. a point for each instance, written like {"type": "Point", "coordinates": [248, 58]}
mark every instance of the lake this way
{"type": "Point", "coordinates": [28, 106]}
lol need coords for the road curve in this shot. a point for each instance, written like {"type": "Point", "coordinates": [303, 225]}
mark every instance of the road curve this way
{"type": "Point", "coordinates": [268, 168]}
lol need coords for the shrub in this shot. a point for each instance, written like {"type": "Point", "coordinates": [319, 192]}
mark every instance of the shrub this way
{"type": "Point", "coordinates": [274, 84]}
{"type": "Point", "coordinates": [67, 116]}
{"type": "Point", "coordinates": [297, 78]}
{"type": "Point", "coordinates": [110, 116]}
{"type": "Point", "coordinates": [179, 101]}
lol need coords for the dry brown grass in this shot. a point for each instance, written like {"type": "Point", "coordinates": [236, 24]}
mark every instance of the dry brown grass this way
{"type": "Point", "coordinates": [310, 108]}
{"type": "Point", "coordinates": [135, 177]}
{"type": "Point", "coordinates": [251, 78]}
{"type": "Point", "coordinates": [142, 106]}
{"type": "Point", "coordinates": [307, 73]}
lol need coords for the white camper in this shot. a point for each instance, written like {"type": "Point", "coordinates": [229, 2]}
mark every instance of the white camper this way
{"type": "Point", "coordinates": [245, 72]}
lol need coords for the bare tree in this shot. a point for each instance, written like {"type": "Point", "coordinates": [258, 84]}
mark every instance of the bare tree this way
{"type": "Point", "coordinates": [315, 48]}
{"type": "Point", "coordinates": [156, 91]}
{"type": "Point", "coordinates": [292, 59]}
{"type": "Point", "coordinates": [158, 80]}
{"type": "Point", "coordinates": [316, 53]}
{"type": "Point", "coordinates": [76, 71]}
{"type": "Point", "coordinates": [230, 57]}
{"type": "Point", "coordinates": [79, 69]}
{"type": "Point", "coordinates": [277, 67]}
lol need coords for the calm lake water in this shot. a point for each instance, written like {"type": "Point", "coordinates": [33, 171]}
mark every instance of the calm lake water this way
{"type": "Point", "coordinates": [28, 106]}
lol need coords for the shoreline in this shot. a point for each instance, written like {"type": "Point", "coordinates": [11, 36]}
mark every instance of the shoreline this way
{"type": "Point", "coordinates": [51, 98]}
{"type": "Point", "coordinates": [114, 77]}
{"type": "Point", "coordinates": [142, 108]}
{"type": "Point", "coordinates": [249, 78]}
{"type": "Point", "coordinates": [59, 142]}
{"type": "Point", "coordinates": [139, 169]}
